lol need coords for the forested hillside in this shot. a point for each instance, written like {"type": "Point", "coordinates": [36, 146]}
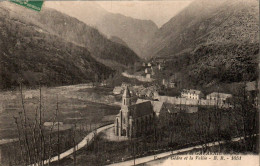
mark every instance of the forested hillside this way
{"type": "Point", "coordinates": [32, 56]}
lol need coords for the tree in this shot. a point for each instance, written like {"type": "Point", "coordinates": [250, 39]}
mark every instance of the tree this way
{"type": "Point", "coordinates": [245, 112]}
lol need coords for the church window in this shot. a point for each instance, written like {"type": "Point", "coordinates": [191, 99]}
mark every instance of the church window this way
{"type": "Point", "coordinates": [124, 101]}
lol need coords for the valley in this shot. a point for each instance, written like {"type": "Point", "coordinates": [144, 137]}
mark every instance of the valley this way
{"type": "Point", "coordinates": [98, 87]}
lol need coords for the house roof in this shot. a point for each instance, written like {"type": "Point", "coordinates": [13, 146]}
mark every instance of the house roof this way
{"type": "Point", "coordinates": [140, 109]}
{"type": "Point", "coordinates": [157, 105]}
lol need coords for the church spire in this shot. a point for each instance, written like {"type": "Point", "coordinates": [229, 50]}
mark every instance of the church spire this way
{"type": "Point", "coordinates": [126, 97]}
{"type": "Point", "coordinates": [126, 92]}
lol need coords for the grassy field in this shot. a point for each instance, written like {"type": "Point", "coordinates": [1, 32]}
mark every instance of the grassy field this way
{"type": "Point", "coordinates": [82, 105]}
{"type": "Point", "coordinates": [77, 104]}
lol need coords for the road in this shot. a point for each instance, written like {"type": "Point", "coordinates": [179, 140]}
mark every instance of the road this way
{"type": "Point", "coordinates": [146, 159]}
{"type": "Point", "coordinates": [139, 78]}
{"type": "Point", "coordinates": [80, 145]}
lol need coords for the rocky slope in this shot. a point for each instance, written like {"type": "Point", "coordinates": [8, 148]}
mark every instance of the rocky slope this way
{"type": "Point", "coordinates": [135, 32]}
{"type": "Point", "coordinates": [207, 22]}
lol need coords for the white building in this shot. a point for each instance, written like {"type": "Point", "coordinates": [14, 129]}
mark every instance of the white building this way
{"type": "Point", "coordinates": [222, 97]}
{"type": "Point", "coordinates": [192, 94]}
{"type": "Point", "coordinates": [146, 70]}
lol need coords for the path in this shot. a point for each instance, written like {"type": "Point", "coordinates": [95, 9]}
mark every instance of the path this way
{"type": "Point", "coordinates": [109, 135]}
{"type": "Point", "coordinates": [143, 160]}
{"type": "Point", "coordinates": [139, 78]}
{"type": "Point", "coordinates": [80, 145]}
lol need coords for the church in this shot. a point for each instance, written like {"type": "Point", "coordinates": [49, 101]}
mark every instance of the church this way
{"type": "Point", "coordinates": [134, 120]}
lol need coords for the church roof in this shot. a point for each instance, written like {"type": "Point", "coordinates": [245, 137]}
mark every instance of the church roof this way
{"type": "Point", "coordinates": [140, 109]}
{"type": "Point", "coordinates": [126, 92]}
{"type": "Point", "coordinates": [157, 105]}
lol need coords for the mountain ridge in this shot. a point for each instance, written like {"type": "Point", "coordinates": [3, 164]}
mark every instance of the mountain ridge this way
{"type": "Point", "coordinates": [73, 30]}
{"type": "Point", "coordinates": [207, 37]}
{"type": "Point", "coordinates": [32, 57]}
{"type": "Point", "coordinates": [135, 32]}
{"type": "Point", "coordinates": [197, 20]}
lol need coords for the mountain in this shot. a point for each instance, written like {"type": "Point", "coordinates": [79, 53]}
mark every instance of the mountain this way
{"type": "Point", "coordinates": [135, 32]}
{"type": "Point", "coordinates": [31, 54]}
{"type": "Point", "coordinates": [211, 42]}
{"type": "Point", "coordinates": [73, 30]}
{"type": "Point", "coordinates": [207, 22]}
{"type": "Point", "coordinates": [118, 40]}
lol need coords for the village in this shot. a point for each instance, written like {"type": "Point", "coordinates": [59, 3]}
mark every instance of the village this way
{"type": "Point", "coordinates": [116, 83]}
{"type": "Point", "coordinates": [143, 105]}
{"type": "Point", "coordinates": [140, 112]}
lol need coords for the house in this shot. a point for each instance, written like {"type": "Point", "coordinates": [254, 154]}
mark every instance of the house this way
{"type": "Point", "coordinates": [117, 90]}
{"type": "Point", "coordinates": [146, 70]}
{"type": "Point", "coordinates": [221, 97]}
{"type": "Point", "coordinates": [139, 90]}
{"type": "Point", "coordinates": [149, 71]}
{"type": "Point", "coordinates": [148, 76]}
{"type": "Point", "coordinates": [163, 82]}
{"type": "Point", "coordinates": [169, 83]}
{"type": "Point", "coordinates": [133, 120]}
{"type": "Point", "coordinates": [159, 66]}
{"type": "Point", "coordinates": [192, 94]}
{"type": "Point", "coordinates": [172, 84]}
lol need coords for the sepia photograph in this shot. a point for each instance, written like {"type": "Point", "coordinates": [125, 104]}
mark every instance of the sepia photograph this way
{"type": "Point", "coordinates": [122, 83]}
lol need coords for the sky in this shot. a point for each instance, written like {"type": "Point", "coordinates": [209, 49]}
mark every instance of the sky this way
{"type": "Point", "coordinates": [158, 11]}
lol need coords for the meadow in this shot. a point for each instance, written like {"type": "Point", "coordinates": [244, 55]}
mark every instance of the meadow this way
{"type": "Point", "coordinates": [80, 108]}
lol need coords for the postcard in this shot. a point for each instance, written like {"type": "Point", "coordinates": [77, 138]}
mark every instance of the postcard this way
{"type": "Point", "coordinates": [120, 83]}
